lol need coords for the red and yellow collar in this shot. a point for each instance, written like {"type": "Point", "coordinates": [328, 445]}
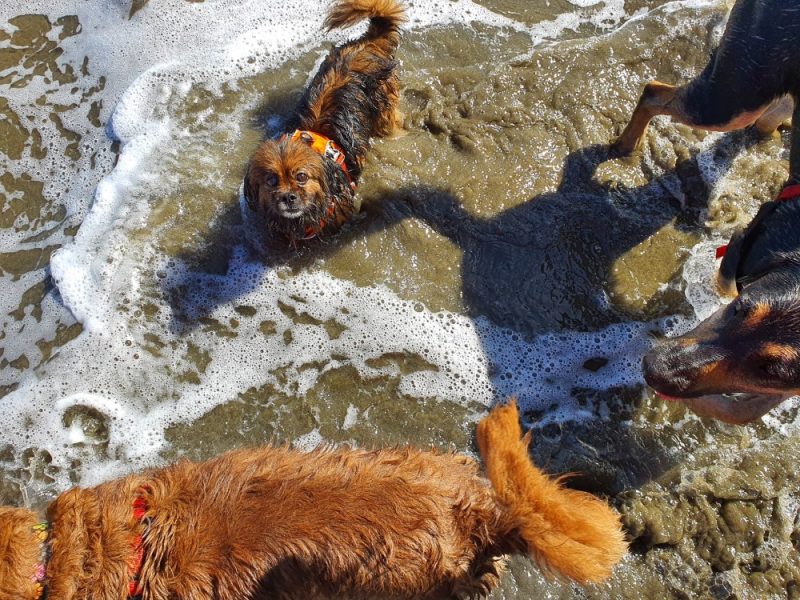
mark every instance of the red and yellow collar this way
{"type": "Point", "coordinates": [42, 531]}
{"type": "Point", "coordinates": [790, 192]}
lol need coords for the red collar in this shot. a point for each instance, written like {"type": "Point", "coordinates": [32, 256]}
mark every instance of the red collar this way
{"type": "Point", "coordinates": [140, 508]}
{"type": "Point", "coordinates": [42, 531]}
{"type": "Point", "coordinates": [790, 192]}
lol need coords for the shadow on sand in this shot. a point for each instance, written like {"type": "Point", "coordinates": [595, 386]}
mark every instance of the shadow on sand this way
{"type": "Point", "coordinates": [537, 268]}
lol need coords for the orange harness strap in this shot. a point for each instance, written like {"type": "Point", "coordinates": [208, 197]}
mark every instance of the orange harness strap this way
{"type": "Point", "coordinates": [311, 232]}
{"type": "Point", "coordinates": [324, 146]}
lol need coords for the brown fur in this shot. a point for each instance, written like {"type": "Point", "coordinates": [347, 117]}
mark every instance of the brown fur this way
{"type": "Point", "coordinates": [279, 523]}
{"type": "Point", "coordinates": [352, 98]}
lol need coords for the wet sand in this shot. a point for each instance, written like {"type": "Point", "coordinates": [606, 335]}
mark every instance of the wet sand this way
{"type": "Point", "coordinates": [497, 241]}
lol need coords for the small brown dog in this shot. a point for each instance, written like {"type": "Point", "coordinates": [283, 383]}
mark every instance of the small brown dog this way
{"type": "Point", "coordinates": [303, 184]}
{"type": "Point", "coordinates": [280, 523]}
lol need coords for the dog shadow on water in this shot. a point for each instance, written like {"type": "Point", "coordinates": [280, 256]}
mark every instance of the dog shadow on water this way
{"type": "Point", "coordinates": [537, 268]}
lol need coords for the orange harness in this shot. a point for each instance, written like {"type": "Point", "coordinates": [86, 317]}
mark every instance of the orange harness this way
{"type": "Point", "coordinates": [790, 192]}
{"type": "Point", "coordinates": [324, 146]}
{"type": "Point", "coordinates": [330, 149]}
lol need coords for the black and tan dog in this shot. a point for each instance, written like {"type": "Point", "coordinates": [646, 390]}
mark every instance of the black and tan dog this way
{"type": "Point", "coordinates": [744, 359]}
{"type": "Point", "coordinates": [303, 183]}
{"type": "Point", "coordinates": [751, 79]}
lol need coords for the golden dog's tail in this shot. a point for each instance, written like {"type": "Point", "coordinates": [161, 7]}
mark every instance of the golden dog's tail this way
{"type": "Point", "coordinates": [385, 17]}
{"type": "Point", "coordinates": [567, 531]}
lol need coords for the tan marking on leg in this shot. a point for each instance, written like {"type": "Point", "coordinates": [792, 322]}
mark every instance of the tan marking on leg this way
{"type": "Point", "coordinates": [388, 122]}
{"type": "Point", "coordinates": [778, 113]}
{"type": "Point", "coordinates": [726, 287]}
{"type": "Point", "coordinates": [652, 102]}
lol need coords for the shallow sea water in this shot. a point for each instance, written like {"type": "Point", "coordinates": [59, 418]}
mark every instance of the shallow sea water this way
{"type": "Point", "coordinates": [499, 252]}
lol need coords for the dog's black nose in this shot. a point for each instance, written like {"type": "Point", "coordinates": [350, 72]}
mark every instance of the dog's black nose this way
{"type": "Point", "coordinates": [649, 369]}
{"type": "Point", "coordinates": [668, 368]}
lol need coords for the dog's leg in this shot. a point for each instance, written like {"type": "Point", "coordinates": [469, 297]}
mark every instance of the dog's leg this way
{"type": "Point", "coordinates": [398, 130]}
{"type": "Point", "coordinates": [778, 112]}
{"type": "Point", "coordinates": [656, 99]}
{"type": "Point", "coordinates": [699, 104]}
{"type": "Point", "coordinates": [390, 120]}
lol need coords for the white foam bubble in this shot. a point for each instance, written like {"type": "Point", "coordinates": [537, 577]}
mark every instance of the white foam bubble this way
{"type": "Point", "coordinates": [109, 369]}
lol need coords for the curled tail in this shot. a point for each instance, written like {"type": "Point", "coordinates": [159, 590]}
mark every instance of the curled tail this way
{"type": "Point", "coordinates": [567, 531]}
{"type": "Point", "coordinates": [385, 17]}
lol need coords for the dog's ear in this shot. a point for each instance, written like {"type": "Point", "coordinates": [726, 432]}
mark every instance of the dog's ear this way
{"type": "Point", "coordinates": [726, 276]}
{"type": "Point", "coordinates": [738, 267]}
{"type": "Point", "coordinates": [250, 191]}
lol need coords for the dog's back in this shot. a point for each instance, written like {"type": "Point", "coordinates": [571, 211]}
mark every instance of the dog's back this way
{"type": "Point", "coordinates": [758, 59]}
{"type": "Point", "coordinates": [272, 522]}
{"type": "Point", "coordinates": [355, 92]}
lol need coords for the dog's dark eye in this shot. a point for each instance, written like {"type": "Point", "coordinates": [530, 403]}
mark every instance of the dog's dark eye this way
{"type": "Point", "coordinates": [765, 367]}
{"type": "Point", "coordinates": [301, 178]}
{"type": "Point", "coordinates": [271, 179]}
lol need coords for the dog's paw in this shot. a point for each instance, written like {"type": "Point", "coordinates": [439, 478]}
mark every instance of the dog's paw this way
{"type": "Point", "coordinates": [621, 147]}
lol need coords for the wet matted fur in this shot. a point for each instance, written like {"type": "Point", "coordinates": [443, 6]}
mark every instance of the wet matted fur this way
{"type": "Point", "coordinates": [298, 192]}
{"type": "Point", "coordinates": [332, 523]}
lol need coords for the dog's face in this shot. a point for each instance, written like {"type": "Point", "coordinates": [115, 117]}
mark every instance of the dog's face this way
{"type": "Point", "coordinates": [739, 363]}
{"type": "Point", "coordinates": [745, 358]}
{"type": "Point", "coordinates": [286, 184]}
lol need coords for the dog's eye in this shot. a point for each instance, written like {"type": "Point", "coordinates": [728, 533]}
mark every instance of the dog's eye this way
{"type": "Point", "coordinates": [271, 179]}
{"type": "Point", "coordinates": [301, 178]}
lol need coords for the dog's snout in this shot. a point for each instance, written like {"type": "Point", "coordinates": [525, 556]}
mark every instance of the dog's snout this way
{"type": "Point", "coordinates": [651, 368]}
{"type": "Point", "coordinates": [676, 365]}
{"type": "Point", "coordinates": [290, 200]}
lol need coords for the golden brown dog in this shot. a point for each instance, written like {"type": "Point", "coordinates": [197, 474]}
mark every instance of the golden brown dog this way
{"type": "Point", "coordinates": [303, 184]}
{"type": "Point", "coordinates": [280, 523]}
